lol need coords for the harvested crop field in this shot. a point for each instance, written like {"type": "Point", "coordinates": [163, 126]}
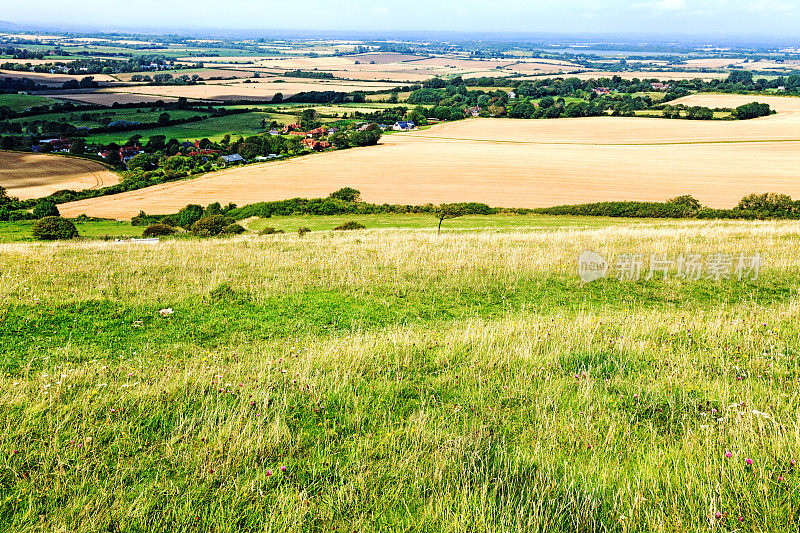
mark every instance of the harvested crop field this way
{"type": "Point", "coordinates": [516, 163]}
{"type": "Point", "coordinates": [263, 88]}
{"type": "Point", "coordinates": [34, 176]}
{"type": "Point", "coordinates": [107, 98]}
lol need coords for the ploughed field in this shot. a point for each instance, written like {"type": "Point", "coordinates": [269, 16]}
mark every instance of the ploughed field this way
{"type": "Point", "coordinates": [396, 380]}
{"type": "Point", "coordinates": [26, 175]}
{"type": "Point", "coordinates": [520, 163]}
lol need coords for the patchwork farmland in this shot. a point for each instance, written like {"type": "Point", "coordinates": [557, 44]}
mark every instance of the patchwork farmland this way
{"type": "Point", "coordinates": [533, 164]}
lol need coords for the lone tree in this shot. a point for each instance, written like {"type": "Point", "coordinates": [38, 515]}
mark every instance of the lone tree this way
{"type": "Point", "coordinates": [448, 211]}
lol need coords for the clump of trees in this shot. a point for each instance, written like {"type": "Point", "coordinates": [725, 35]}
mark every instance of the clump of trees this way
{"type": "Point", "coordinates": [212, 225]}
{"type": "Point", "coordinates": [752, 110]}
{"type": "Point", "coordinates": [754, 206]}
{"type": "Point", "coordinates": [54, 228]}
{"type": "Point", "coordinates": [354, 138]}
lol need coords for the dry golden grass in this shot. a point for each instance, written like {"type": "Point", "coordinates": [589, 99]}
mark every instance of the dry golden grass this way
{"type": "Point", "coordinates": [515, 163]}
{"type": "Point", "coordinates": [34, 176]}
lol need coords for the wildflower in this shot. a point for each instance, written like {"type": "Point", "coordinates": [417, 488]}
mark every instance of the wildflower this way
{"type": "Point", "coordinates": [792, 462]}
{"type": "Point", "coordinates": [741, 519]}
{"type": "Point", "coordinates": [728, 454]}
{"type": "Point", "coordinates": [748, 461]}
{"type": "Point", "coordinates": [283, 468]}
{"type": "Point", "coordinates": [717, 515]}
{"type": "Point", "coordinates": [780, 478]}
{"type": "Point", "coordinates": [269, 473]}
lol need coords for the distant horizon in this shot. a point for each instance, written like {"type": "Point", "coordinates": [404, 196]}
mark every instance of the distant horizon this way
{"type": "Point", "coordinates": [671, 19]}
{"type": "Point", "coordinates": [551, 37]}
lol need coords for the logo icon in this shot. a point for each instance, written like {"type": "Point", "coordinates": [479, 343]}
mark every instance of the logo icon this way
{"type": "Point", "coordinates": [592, 266]}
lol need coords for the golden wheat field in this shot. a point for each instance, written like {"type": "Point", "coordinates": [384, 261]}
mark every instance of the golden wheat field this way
{"type": "Point", "coordinates": [516, 163]}
{"type": "Point", "coordinates": [34, 176]}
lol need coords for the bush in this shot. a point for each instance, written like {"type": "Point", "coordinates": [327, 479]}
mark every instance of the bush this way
{"type": "Point", "coordinates": [302, 231]}
{"type": "Point", "coordinates": [45, 209]}
{"type": "Point", "coordinates": [189, 215]}
{"type": "Point", "coordinates": [270, 231]}
{"type": "Point", "coordinates": [158, 230]}
{"type": "Point", "coordinates": [233, 229]}
{"type": "Point", "coordinates": [210, 226]}
{"type": "Point", "coordinates": [54, 228]}
{"type": "Point", "coordinates": [349, 226]}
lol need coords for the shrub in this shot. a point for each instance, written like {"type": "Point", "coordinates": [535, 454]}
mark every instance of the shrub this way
{"type": "Point", "coordinates": [233, 229]}
{"type": "Point", "coordinates": [302, 231]}
{"type": "Point", "coordinates": [212, 225]}
{"type": "Point", "coordinates": [54, 228]}
{"type": "Point", "coordinates": [158, 230]}
{"type": "Point", "coordinates": [45, 209]}
{"type": "Point", "coordinates": [270, 231]}
{"type": "Point", "coordinates": [189, 215]}
{"type": "Point", "coordinates": [349, 226]}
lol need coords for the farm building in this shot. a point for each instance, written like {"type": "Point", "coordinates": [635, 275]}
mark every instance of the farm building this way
{"type": "Point", "coordinates": [233, 159]}
{"type": "Point", "coordinates": [404, 126]}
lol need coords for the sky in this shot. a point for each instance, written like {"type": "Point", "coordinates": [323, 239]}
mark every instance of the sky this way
{"type": "Point", "coordinates": [776, 18]}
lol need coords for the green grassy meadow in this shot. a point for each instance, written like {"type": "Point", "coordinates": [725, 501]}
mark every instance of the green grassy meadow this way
{"type": "Point", "coordinates": [21, 102]}
{"type": "Point", "coordinates": [21, 231]}
{"type": "Point", "coordinates": [396, 380]}
{"type": "Point", "coordinates": [244, 124]}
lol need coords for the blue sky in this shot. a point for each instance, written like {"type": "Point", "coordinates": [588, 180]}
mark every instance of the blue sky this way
{"type": "Point", "coordinates": [664, 17]}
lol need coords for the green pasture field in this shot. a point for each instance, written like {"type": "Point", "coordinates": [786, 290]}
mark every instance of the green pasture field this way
{"type": "Point", "coordinates": [396, 380]}
{"type": "Point", "coordinates": [214, 129]}
{"type": "Point", "coordinates": [100, 117]}
{"type": "Point", "coordinates": [21, 102]}
{"type": "Point", "coordinates": [22, 230]}
{"type": "Point", "coordinates": [423, 221]}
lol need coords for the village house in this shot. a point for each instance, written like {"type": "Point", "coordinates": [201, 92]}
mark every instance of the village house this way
{"type": "Point", "coordinates": [602, 91]}
{"type": "Point", "coordinates": [58, 145]}
{"type": "Point", "coordinates": [316, 145]}
{"type": "Point", "coordinates": [474, 111]}
{"type": "Point", "coordinates": [126, 153]}
{"type": "Point", "coordinates": [660, 86]}
{"type": "Point", "coordinates": [290, 128]}
{"type": "Point", "coordinates": [404, 126]}
{"type": "Point", "coordinates": [322, 130]}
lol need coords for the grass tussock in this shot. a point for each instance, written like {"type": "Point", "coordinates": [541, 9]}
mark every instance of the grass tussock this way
{"type": "Point", "coordinates": [398, 381]}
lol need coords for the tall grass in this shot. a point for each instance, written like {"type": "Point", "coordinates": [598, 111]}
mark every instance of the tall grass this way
{"type": "Point", "coordinates": [407, 382]}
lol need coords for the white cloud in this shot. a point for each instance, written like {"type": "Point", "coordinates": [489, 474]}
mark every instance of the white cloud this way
{"type": "Point", "coordinates": [663, 5]}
